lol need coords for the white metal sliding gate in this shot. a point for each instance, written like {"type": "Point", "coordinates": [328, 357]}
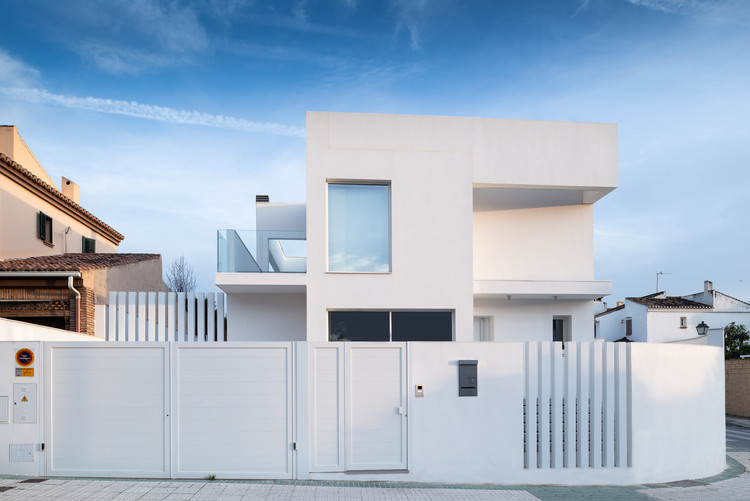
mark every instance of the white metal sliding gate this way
{"type": "Point", "coordinates": [169, 410]}
{"type": "Point", "coordinates": [107, 409]}
{"type": "Point", "coordinates": [233, 410]}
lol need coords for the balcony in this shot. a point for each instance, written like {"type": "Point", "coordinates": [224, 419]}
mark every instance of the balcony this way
{"type": "Point", "coordinates": [261, 251]}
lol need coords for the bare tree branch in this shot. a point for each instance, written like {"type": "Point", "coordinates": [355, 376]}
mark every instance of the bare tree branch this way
{"type": "Point", "coordinates": [181, 277]}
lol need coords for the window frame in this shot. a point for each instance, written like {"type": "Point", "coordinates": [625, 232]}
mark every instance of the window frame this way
{"type": "Point", "coordinates": [390, 313]}
{"type": "Point", "coordinates": [85, 243]}
{"type": "Point", "coordinates": [44, 228]}
{"type": "Point", "coordinates": [360, 182]}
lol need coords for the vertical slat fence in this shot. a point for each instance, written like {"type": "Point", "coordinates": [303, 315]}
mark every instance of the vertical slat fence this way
{"type": "Point", "coordinates": [576, 405]}
{"type": "Point", "coordinates": [179, 317]}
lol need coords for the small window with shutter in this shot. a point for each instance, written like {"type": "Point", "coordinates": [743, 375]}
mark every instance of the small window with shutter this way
{"type": "Point", "coordinates": [629, 326]}
{"type": "Point", "coordinates": [44, 228]}
{"type": "Point", "coordinates": [88, 245]}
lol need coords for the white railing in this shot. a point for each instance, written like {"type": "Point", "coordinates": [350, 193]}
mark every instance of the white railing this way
{"type": "Point", "coordinates": [166, 316]}
{"type": "Point", "coordinates": [576, 405]}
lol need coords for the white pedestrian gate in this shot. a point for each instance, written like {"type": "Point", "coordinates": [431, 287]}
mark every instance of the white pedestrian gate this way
{"type": "Point", "coordinates": [358, 410]}
{"type": "Point", "coordinates": [376, 406]}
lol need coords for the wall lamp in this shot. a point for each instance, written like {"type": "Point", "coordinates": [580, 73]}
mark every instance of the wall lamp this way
{"type": "Point", "coordinates": [702, 328]}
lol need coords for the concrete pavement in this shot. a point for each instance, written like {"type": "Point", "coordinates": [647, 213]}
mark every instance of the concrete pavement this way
{"type": "Point", "coordinates": [732, 484]}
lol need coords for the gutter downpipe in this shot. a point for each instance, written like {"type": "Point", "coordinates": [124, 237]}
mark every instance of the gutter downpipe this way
{"type": "Point", "coordinates": [78, 303]}
{"type": "Point", "coordinates": [52, 274]}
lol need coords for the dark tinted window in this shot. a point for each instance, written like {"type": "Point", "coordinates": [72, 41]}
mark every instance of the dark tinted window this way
{"type": "Point", "coordinates": [422, 326]}
{"type": "Point", "coordinates": [358, 326]}
{"type": "Point", "coordinates": [557, 330]}
{"type": "Point", "coordinates": [88, 245]}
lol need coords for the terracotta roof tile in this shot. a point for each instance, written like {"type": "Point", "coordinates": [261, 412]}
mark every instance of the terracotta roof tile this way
{"type": "Point", "coordinates": [58, 194]}
{"type": "Point", "coordinates": [658, 301]}
{"type": "Point", "coordinates": [73, 262]}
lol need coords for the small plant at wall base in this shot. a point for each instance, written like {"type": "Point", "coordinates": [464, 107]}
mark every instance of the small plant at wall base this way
{"type": "Point", "coordinates": [736, 339]}
{"type": "Point", "coordinates": [181, 277]}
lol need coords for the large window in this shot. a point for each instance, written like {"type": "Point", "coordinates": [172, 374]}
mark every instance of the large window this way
{"type": "Point", "coordinates": [359, 228]}
{"type": "Point", "coordinates": [422, 325]}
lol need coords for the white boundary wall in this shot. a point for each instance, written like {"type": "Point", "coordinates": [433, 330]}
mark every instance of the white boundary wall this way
{"type": "Point", "coordinates": [279, 410]}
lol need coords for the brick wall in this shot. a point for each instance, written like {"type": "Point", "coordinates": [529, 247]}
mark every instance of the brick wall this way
{"type": "Point", "coordinates": [87, 311]}
{"type": "Point", "coordinates": [24, 303]}
{"type": "Point", "coordinates": [737, 387]}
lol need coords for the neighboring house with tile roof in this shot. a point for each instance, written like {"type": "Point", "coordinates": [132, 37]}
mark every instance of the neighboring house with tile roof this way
{"type": "Point", "coordinates": [37, 218]}
{"type": "Point", "coordinates": [63, 291]}
{"type": "Point", "coordinates": [57, 260]}
{"type": "Point", "coordinates": [662, 319]}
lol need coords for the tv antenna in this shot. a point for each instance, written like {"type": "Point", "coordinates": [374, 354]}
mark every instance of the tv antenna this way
{"type": "Point", "coordinates": [657, 278]}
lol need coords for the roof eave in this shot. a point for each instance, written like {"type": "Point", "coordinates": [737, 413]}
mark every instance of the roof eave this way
{"type": "Point", "coordinates": [16, 173]}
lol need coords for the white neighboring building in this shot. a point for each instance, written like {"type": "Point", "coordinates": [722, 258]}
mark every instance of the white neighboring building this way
{"type": "Point", "coordinates": [427, 228]}
{"type": "Point", "coordinates": [660, 318]}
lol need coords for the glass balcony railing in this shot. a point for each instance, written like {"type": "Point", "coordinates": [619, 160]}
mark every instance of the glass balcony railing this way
{"type": "Point", "coordinates": [261, 251]}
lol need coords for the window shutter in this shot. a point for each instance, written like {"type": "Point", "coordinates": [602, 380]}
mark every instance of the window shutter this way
{"type": "Point", "coordinates": [41, 225]}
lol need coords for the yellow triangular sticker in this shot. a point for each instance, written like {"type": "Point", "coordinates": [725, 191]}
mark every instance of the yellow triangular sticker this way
{"type": "Point", "coordinates": [24, 399]}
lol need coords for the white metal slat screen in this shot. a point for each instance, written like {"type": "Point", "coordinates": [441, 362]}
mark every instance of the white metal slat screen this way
{"type": "Point", "coordinates": [576, 405]}
{"type": "Point", "coordinates": [166, 316]}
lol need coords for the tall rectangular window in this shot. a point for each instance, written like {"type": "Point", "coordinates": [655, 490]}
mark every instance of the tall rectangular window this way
{"type": "Point", "coordinates": [359, 227]}
{"type": "Point", "coordinates": [44, 227]}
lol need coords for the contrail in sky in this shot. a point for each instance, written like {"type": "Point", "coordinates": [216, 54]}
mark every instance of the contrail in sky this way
{"type": "Point", "coordinates": [150, 112]}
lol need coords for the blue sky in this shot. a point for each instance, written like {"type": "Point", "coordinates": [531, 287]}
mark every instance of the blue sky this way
{"type": "Point", "coordinates": [172, 115]}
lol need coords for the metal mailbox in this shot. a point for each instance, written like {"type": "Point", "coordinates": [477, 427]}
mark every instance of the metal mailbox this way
{"type": "Point", "coordinates": [467, 378]}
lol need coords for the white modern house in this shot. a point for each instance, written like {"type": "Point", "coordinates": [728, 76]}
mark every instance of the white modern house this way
{"type": "Point", "coordinates": [458, 252]}
{"type": "Point", "coordinates": [427, 228]}
{"type": "Point", "coordinates": [697, 318]}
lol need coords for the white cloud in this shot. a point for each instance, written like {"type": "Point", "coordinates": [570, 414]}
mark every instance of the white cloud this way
{"type": "Point", "coordinates": [15, 72]}
{"type": "Point", "coordinates": [151, 112]}
{"type": "Point", "coordinates": [130, 36]}
{"type": "Point", "coordinates": [671, 6]}
{"type": "Point", "coordinates": [727, 11]}
{"type": "Point", "coordinates": [410, 17]}
{"type": "Point", "coordinates": [119, 60]}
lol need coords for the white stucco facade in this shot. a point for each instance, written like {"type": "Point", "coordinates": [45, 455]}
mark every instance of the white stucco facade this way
{"type": "Point", "coordinates": [488, 218]}
{"type": "Point", "coordinates": [22, 199]}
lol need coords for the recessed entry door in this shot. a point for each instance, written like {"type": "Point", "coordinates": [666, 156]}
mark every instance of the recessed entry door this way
{"type": "Point", "coordinates": [376, 414]}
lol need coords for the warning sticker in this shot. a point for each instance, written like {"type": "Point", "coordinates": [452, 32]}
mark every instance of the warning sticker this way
{"type": "Point", "coordinates": [24, 372]}
{"type": "Point", "coordinates": [24, 357]}
{"type": "Point", "coordinates": [24, 399]}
